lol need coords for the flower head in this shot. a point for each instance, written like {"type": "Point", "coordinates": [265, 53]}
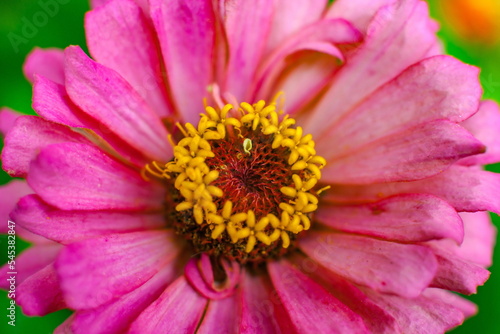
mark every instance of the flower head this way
{"type": "Point", "coordinates": [256, 167]}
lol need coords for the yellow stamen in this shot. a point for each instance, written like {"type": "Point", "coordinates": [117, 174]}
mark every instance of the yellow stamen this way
{"type": "Point", "coordinates": [194, 179]}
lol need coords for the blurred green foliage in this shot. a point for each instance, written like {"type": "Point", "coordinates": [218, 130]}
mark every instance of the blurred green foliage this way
{"type": "Point", "coordinates": [25, 24]}
{"type": "Point", "coordinates": [487, 57]}
{"type": "Point", "coordinates": [61, 25]}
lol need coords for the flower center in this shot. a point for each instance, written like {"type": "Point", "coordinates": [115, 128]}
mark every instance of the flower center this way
{"type": "Point", "coordinates": [242, 182]}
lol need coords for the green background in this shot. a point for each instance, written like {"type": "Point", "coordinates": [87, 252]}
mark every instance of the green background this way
{"type": "Point", "coordinates": [65, 27]}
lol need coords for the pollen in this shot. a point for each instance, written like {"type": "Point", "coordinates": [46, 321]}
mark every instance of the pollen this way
{"type": "Point", "coordinates": [243, 181]}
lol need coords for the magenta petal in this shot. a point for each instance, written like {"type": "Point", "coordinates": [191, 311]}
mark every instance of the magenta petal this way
{"type": "Point", "coordinates": [10, 193]}
{"type": "Point", "coordinates": [290, 19]}
{"type": "Point", "coordinates": [316, 65]}
{"type": "Point", "coordinates": [310, 307]}
{"type": "Point", "coordinates": [199, 274]}
{"type": "Point", "coordinates": [7, 119]}
{"type": "Point", "coordinates": [406, 218]}
{"type": "Point", "coordinates": [179, 309]}
{"type": "Point", "coordinates": [221, 316]}
{"type": "Point", "coordinates": [466, 189]}
{"type": "Point", "coordinates": [480, 236]}
{"type": "Point", "coordinates": [65, 327]}
{"type": "Point", "coordinates": [384, 54]}
{"type": "Point", "coordinates": [247, 26]}
{"type": "Point", "coordinates": [120, 28]}
{"type": "Point", "coordinates": [51, 101]}
{"type": "Point", "coordinates": [29, 135]}
{"type": "Point", "coordinates": [40, 293]}
{"type": "Point", "coordinates": [70, 226]}
{"type": "Point", "coordinates": [97, 3]}
{"type": "Point", "coordinates": [485, 125]}
{"type": "Point", "coordinates": [261, 311]}
{"type": "Point", "coordinates": [412, 154]}
{"type": "Point", "coordinates": [322, 37]}
{"type": "Point", "coordinates": [467, 307]}
{"type": "Point", "coordinates": [419, 315]}
{"type": "Point", "coordinates": [186, 30]}
{"type": "Point", "coordinates": [117, 315]}
{"type": "Point", "coordinates": [46, 62]}
{"type": "Point", "coordinates": [350, 10]}
{"type": "Point", "coordinates": [29, 262]}
{"type": "Point", "coordinates": [106, 96]}
{"type": "Point", "coordinates": [389, 267]}
{"type": "Point", "coordinates": [96, 182]}
{"type": "Point", "coordinates": [375, 318]}
{"type": "Point", "coordinates": [95, 271]}
{"type": "Point", "coordinates": [448, 89]}
{"type": "Point", "coordinates": [456, 274]}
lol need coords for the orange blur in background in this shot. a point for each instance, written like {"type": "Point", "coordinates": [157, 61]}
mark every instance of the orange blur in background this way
{"type": "Point", "coordinates": [476, 21]}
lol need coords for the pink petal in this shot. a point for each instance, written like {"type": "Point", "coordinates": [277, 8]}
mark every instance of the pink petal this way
{"type": "Point", "coordinates": [405, 218]}
{"type": "Point", "coordinates": [310, 307]}
{"type": "Point", "coordinates": [412, 154]}
{"type": "Point", "coordinates": [448, 89]}
{"type": "Point", "coordinates": [46, 62]}
{"type": "Point", "coordinates": [95, 271]}
{"type": "Point", "coordinates": [179, 309]}
{"type": "Point", "coordinates": [199, 274]}
{"type": "Point", "coordinates": [117, 315]}
{"type": "Point", "coordinates": [65, 327]}
{"type": "Point", "coordinates": [247, 26]}
{"type": "Point", "coordinates": [466, 189]}
{"type": "Point", "coordinates": [141, 3]}
{"type": "Point", "coordinates": [70, 226]}
{"type": "Point", "coordinates": [29, 135]}
{"type": "Point", "coordinates": [322, 36]}
{"type": "Point", "coordinates": [51, 101]}
{"type": "Point", "coordinates": [10, 193]}
{"type": "Point", "coordinates": [261, 311]}
{"type": "Point", "coordinates": [95, 182]}
{"type": "Point", "coordinates": [350, 10]}
{"type": "Point", "coordinates": [187, 38]}
{"type": "Point", "coordinates": [144, 4]}
{"type": "Point", "coordinates": [384, 266]}
{"type": "Point", "coordinates": [437, 49]}
{"type": "Point", "coordinates": [480, 236]}
{"type": "Point", "coordinates": [106, 96]}
{"type": "Point", "coordinates": [419, 315]}
{"type": "Point", "coordinates": [316, 66]}
{"type": "Point", "coordinates": [467, 307]}
{"type": "Point", "coordinates": [29, 262]}
{"type": "Point", "coordinates": [485, 126]}
{"type": "Point", "coordinates": [221, 317]}
{"type": "Point", "coordinates": [290, 19]}
{"type": "Point", "coordinates": [385, 53]}
{"type": "Point", "coordinates": [40, 293]}
{"type": "Point", "coordinates": [456, 274]}
{"type": "Point", "coordinates": [97, 3]}
{"type": "Point", "coordinates": [120, 28]}
{"type": "Point", "coordinates": [375, 318]}
{"type": "Point", "coordinates": [7, 119]}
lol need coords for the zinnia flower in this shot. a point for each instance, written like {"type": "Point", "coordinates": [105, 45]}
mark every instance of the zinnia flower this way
{"type": "Point", "coordinates": [253, 167]}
